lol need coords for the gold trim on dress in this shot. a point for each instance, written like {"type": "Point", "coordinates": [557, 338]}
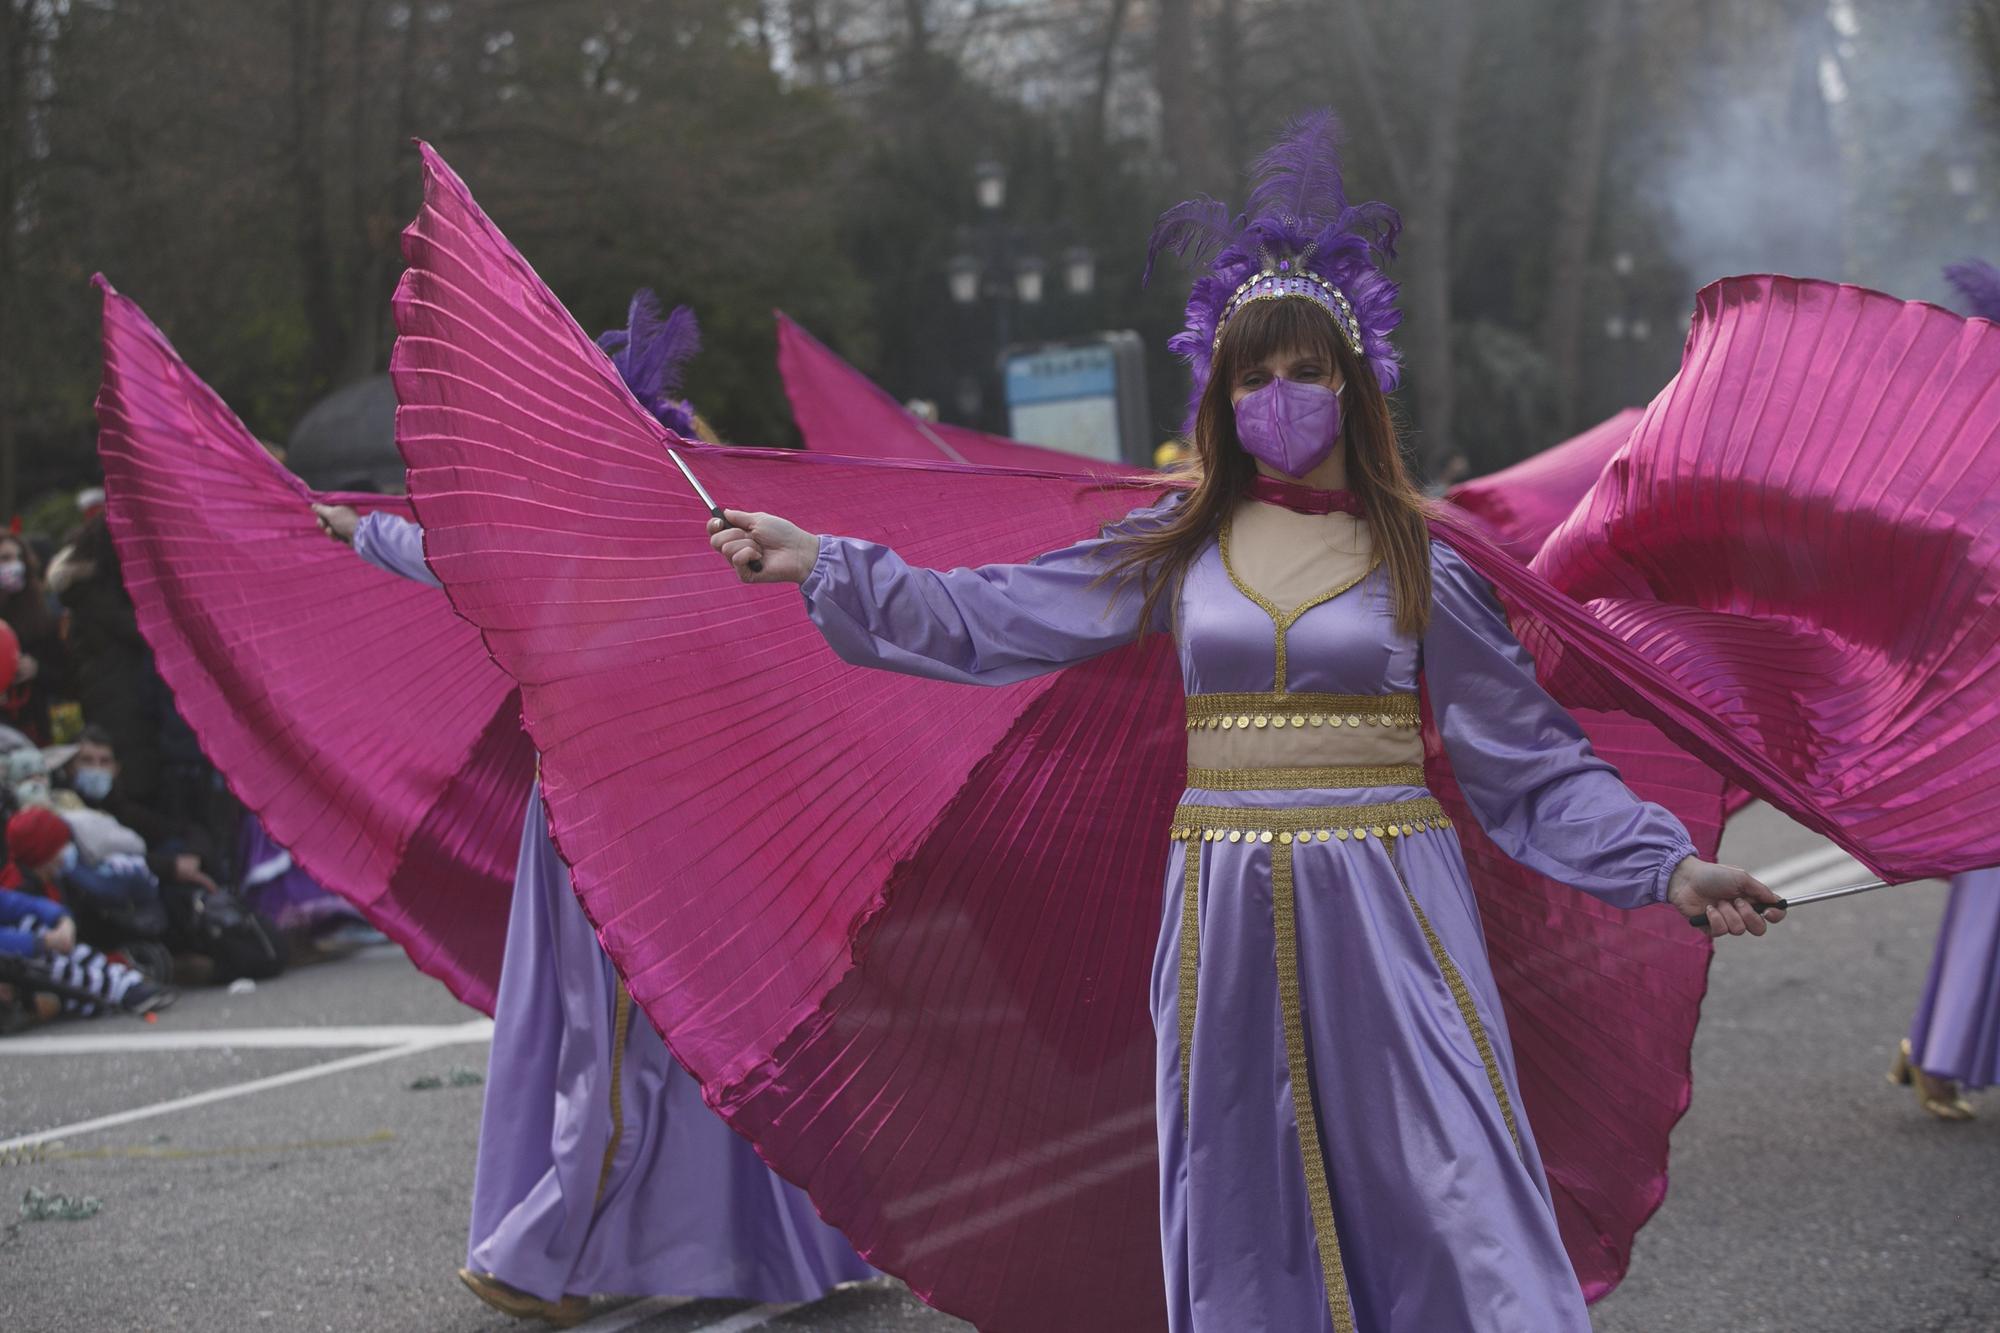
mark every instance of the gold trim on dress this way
{"type": "Point", "coordinates": [1297, 779]}
{"type": "Point", "coordinates": [1298, 1073]}
{"type": "Point", "coordinates": [1190, 964]}
{"type": "Point", "coordinates": [1307, 823]}
{"type": "Point", "coordinates": [621, 1026]}
{"type": "Point", "coordinates": [1281, 620]}
{"type": "Point", "coordinates": [1220, 712]}
{"type": "Point", "coordinates": [1454, 981]}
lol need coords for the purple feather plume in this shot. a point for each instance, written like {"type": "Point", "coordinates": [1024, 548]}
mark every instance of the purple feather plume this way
{"type": "Point", "coordinates": [1298, 202]}
{"type": "Point", "coordinates": [1978, 284]}
{"type": "Point", "coordinates": [650, 353]}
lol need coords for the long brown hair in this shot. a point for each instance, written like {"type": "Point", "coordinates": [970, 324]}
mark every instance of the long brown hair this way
{"type": "Point", "coordinates": [1219, 474]}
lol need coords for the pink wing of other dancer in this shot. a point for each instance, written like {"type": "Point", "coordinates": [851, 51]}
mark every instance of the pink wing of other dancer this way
{"type": "Point", "coordinates": [1523, 504]}
{"type": "Point", "coordinates": [362, 721]}
{"type": "Point", "coordinates": [841, 411]}
{"type": "Point", "coordinates": [902, 931]}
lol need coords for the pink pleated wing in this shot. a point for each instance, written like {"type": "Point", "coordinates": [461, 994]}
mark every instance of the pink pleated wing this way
{"type": "Point", "coordinates": [841, 411]}
{"type": "Point", "coordinates": [1523, 504]}
{"type": "Point", "coordinates": [1802, 541]}
{"type": "Point", "coordinates": [362, 721]}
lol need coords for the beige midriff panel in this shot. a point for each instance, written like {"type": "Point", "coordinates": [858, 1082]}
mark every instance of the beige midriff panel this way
{"type": "Point", "coordinates": [1288, 559]}
{"type": "Point", "coordinates": [1305, 747]}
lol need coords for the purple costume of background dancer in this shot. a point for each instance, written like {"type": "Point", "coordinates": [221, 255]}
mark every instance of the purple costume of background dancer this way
{"type": "Point", "coordinates": [600, 1169]}
{"type": "Point", "coordinates": [1955, 1035]}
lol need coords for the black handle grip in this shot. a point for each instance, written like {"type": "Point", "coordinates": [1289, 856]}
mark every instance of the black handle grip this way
{"type": "Point", "coordinates": [1700, 920]}
{"type": "Point", "coordinates": [756, 566]}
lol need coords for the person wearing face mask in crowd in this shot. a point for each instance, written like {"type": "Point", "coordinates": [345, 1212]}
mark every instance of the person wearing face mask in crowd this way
{"type": "Point", "coordinates": [42, 675]}
{"type": "Point", "coordinates": [211, 933]}
{"type": "Point", "coordinates": [178, 853]}
{"type": "Point", "coordinates": [114, 676]}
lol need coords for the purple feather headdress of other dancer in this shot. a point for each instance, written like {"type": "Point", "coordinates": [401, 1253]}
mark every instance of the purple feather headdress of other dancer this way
{"type": "Point", "coordinates": [649, 353]}
{"type": "Point", "coordinates": [1298, 237]}
{"type": "Point", "coordinates": [1978, 283]}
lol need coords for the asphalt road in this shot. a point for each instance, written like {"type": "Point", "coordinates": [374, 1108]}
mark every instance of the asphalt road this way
{"type": "Point", "coordinates": [1807, 1193]}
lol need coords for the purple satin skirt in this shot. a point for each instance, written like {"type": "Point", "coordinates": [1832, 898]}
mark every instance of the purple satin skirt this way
{"type": "Point", "coordinates": [276, 885]}
{"type": "Point", "coordinates": [1434, 1188]}
{"type": "Point", "coordinates": [652, 1197]}
{"type": "Point", "coordinates": [1956, 1033]}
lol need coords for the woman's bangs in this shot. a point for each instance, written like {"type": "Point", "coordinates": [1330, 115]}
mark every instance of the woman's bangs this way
{"type": "Point", "coordinates": [1263, 329]}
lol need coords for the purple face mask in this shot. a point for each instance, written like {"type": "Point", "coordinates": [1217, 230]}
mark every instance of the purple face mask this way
{"type": "Point", "coordinates": [1289, 425]}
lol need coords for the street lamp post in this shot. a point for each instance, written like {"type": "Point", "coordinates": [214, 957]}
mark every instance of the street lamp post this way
{"type": "Point", "coordinates": [1000, 266]}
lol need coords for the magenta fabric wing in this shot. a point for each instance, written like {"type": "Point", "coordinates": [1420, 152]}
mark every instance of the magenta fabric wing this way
{"type": "Point", "coordinates": [841, 411]}
{"type": "Point", "coordinates": [361, 721]}
{"type": "Point", "coordinates": [901, 930]}
{"type": "Point", "coordinates": [1523, 504]}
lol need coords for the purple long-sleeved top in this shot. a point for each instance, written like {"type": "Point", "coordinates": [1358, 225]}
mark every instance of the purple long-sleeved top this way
{"type": "Point", "coordinates": [1526, 768]}
{"type": "Point", "coordinates": [394, 544]}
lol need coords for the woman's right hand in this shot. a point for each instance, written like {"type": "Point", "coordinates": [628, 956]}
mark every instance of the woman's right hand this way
{"type": "Point", "coordinates": [787, 551]}
{"type": "Point", "coordinates": [337, 522]}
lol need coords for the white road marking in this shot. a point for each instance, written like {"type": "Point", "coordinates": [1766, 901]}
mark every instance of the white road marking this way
{"type": "Point", "coordinates": [135, 1037]}
{"type": "Point", "coordinates": [755, 1317]}
{"type": "Point", "coordinates": [997, 1177]}
{"type": "Point", "coordinates": [1788, 873]}
{"type": "Point", "coordinates": [636, 1312]}
{"type": "Point", "coordinates": [234, 1090]}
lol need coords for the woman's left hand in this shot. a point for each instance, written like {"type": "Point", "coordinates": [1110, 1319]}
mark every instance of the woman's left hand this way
{"type": "Point", "coordinates": [1727, 895]}
{"type": "Point", "coordinates": [337, 522]}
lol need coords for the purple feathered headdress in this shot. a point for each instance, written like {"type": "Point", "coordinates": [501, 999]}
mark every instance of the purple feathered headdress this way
{"type": "Point", "coordinates": [649, 353]}
{"type": "Point", "coordinates": [1298, 238]}
{"type": "Point", "coordinates": [1978, 283]}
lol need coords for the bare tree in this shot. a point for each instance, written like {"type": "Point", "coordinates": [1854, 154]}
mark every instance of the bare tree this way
{"type": "Point", "coordinates": [1577, 206]}
{"type": "Point", "coordinates": [1429, 75]}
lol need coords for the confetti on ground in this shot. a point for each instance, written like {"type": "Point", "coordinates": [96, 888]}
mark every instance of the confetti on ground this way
{"type": "Point", "coordinates": [39, 1206]}
{"type": "Point", "coordinates": [458, 1077]}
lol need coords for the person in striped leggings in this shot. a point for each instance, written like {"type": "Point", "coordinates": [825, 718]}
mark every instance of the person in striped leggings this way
{"type": "Point", "coordinates": [44, 968]}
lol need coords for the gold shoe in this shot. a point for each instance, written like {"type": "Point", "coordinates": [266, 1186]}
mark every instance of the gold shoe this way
{"type": "Point", "coordinates": [513, 1301]}
{"type": "Point", "coordinates": [1939, 1096]}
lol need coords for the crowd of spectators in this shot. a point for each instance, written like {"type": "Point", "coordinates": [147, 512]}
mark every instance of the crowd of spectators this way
{"type": "Point", "coordinates": [130, 871]}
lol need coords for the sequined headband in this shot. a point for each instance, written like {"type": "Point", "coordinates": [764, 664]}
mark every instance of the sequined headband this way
{"type": "Point", "coordinates": [1290, 278]}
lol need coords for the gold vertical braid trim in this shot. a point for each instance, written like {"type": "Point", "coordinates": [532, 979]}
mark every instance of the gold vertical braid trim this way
{"type": "Point", "coordinates": [1190, 964]}
{"type": "Point", "coordinates": [1282, 620]}
{"type": "Point", "coordinates": [621, 1026]}
{"type": "Point", "coordinates": [1319, 1194]}
{"type": "Point", "coordinates": [1462, 994]}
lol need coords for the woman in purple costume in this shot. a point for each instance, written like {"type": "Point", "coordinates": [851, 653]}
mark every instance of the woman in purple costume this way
{"type": "Point", "coordinates": [1954, 1040]}
{"type": "Point", "coordinates": [1340, 1148]}
{"type": "Point", "coordinates": [600, 1168]}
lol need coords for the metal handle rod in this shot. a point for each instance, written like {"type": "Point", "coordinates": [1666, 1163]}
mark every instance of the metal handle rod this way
{"type": "Point", "coordinates": [756, 566]}
{"type": "Point", "coordinates": [1700, 922]}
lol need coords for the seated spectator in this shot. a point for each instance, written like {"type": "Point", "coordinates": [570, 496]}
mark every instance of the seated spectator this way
{"type": "Point", "coordinates": [178, 853]}
{"type": "Point", "coordinates": [44, 968]}
{"type": "Point", "coordinates": [41, 677]}
{"type": "Point", "coordinates": [204, 920]}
